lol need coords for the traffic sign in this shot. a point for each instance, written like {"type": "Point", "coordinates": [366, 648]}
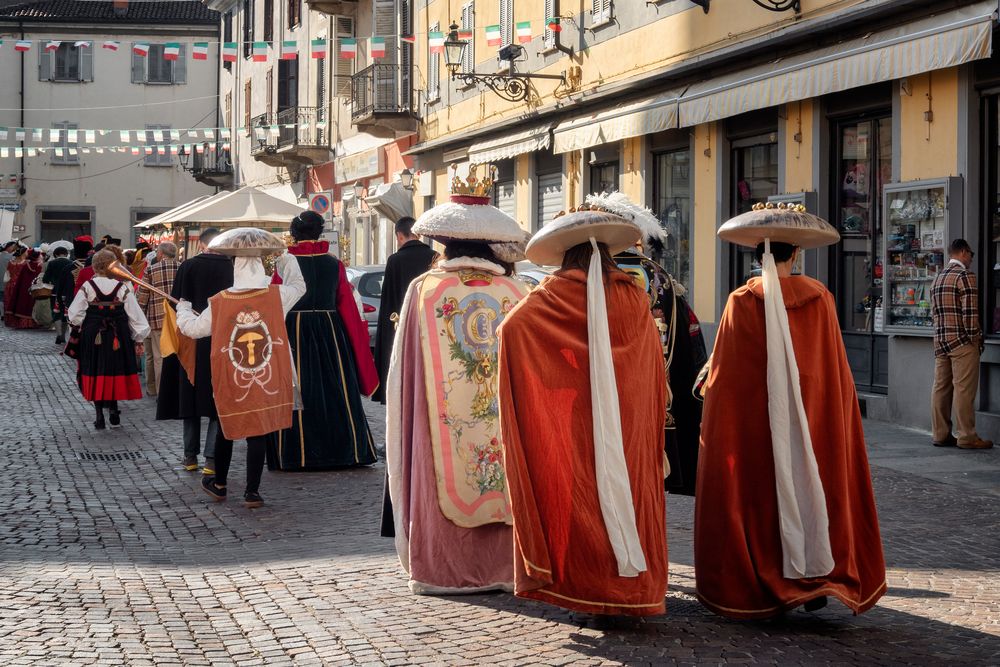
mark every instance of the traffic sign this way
{"type": "Point", "coordinates": [322, 203]}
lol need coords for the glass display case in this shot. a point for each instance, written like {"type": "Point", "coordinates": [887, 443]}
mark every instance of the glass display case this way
{"type": "Point", "coordinates": [919, 217]}
{"type": "Point", "coordinates": [806, 262]}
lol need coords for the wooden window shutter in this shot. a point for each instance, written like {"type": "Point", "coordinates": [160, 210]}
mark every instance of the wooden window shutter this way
{"type": "Point", "coordinates": [138, 67]}
{"type": "Point", "coordinates": [469, 23]}
{"type": "Point", "coordinates": [344, 67]}
{"type": "Point", "coordinates": [180, 66]}
{"type": "Point", "coordinates": [87, 62]}
{"type": "Point", "coordinates": [44, 63]}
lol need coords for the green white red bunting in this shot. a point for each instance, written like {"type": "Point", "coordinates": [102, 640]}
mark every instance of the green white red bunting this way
{"type": "Point", "coordinates": [229, 52]}
{"type": "Point", "coordinates": [493, 37]}
{"type": "Point", "coordinates": [348, 48]}
{"type": "Point", "coordinates": [260, 52]}
{"type": "Point", "coordinates": [524, 32]}
{"type": "Point", "coordinates": [435, 40]}
{"type": "Point", "coordinates": [171, 51]}
{"type": "Point", "coordinates": [110, 45]}
{"type": "Point", "coordinates": [465, 35]}
{"type": "Point", "coordinates": [22, 45]}
{"type": "Point", "coordinates": [52, 45]}
{"type": "Point", "coordinates": [377, 49]}
{"type": "Point", "coordinates": [200, 51]}
{"type": "Point", "coordinates": [318, 48]}
{"type": "Point", "coordinates": [553, 24]}
{"type": "Point", "coordinates": [409, 39]}
{"type": "Point", "coordinates": [289, 50]}
{"type": "Point", "coordinates": [140, 49]}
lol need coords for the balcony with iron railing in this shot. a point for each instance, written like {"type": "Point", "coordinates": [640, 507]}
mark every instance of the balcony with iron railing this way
{"type": "Point", "coordinates": [333, 7]}
{"type": "Point", "coordinates": [296, 135]}
{"type": "Point", "coordinates": [381, 103]}
{"type": "Point", "coordinates": [210, 164]}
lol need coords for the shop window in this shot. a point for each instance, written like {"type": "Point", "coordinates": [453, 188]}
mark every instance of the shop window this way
{"type": "Point", "coordinates": [755, 178]}
{"type": "Point", "coordinates": [604, 177]}
{"type": "Point", "coordinates": [672, 205]}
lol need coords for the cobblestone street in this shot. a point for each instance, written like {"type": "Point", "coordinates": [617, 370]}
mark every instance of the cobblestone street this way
{"type": "Point", "coordinates": [109, 554]}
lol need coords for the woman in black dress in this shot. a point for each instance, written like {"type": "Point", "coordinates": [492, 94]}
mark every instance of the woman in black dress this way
{"type": "Point", "coordinates": [333, 361]}
{"type": "Point", "coordinates": [110, 319]}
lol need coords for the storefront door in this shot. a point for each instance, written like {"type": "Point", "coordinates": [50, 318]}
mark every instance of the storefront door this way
{"type": "Point", "coordinates": [672, 205]}
{"type": "Point", "coordinates": [862, 165]}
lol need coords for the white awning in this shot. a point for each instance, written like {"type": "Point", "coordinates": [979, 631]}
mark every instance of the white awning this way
{"type": "Point", "coordinates": [167, 216]}
{"type": "Point", "coordinates": [512, 145]}
{"type": "Point", "coordinates": [391, 200]}
{"type": "Point", "coordinates": [645, 116]}
{"type": "Point", "coordinates": [945, 40]}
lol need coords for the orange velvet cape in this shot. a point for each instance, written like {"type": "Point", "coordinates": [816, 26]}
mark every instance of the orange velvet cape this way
{"type": "Point", "coordinates": [738, 558]}
{"type": "Point", "coordinates": [562, 554]}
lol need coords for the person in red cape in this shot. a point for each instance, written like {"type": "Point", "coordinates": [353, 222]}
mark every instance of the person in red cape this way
{"type": "Point", "coordinates": [583, 401]}
{"type": "Point", "coordinates": [330, 349]}
{"type": "Point", "coordinates": [17, 314]}
{"type": "Point", "coordinates": [784, 510]}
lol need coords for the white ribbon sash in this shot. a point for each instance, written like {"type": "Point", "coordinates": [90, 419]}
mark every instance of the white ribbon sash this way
{"type": "Point", "coordinates": [805, 526]}
{"type": "Point", "coordinates": [613, 487]}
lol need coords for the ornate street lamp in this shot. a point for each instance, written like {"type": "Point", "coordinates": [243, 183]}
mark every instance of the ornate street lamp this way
{"type": "Point", "coordinates": [359, 190]}
{"type": "Point", "coordinates": [512, 86]}
{"type": "Point", "coordinates": [406, 179]}
{"type": "Point", "coordinates": [183, 156]}
{"type": "Point", "coordinates": [779, 5]}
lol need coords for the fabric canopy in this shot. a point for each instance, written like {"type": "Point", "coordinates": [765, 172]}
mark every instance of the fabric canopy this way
{"type": "Point", "coordinates": [945, 40]}
{"type": "Point", "coordinates": [391, 200]}
{"type": "Point", "coordinates": [511, 145]}
{"type": "Point", "coordinates": [645, 116]}
{"type": "Point", "coordinates": [247, 206]}
{"type": "Point", "coordinates": [167, 216]}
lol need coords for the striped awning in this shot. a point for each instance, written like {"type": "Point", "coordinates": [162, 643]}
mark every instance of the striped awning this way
{"type": "Point", "coordinates": [645, 116]}
{"type": "Point", "coordinates": [511, 145]}
{"type": "Point", "coordinates": [944, 40]}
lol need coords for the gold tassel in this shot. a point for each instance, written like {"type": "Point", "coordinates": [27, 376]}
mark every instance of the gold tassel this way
{"type": "Point", "coordinates": [97, 338]}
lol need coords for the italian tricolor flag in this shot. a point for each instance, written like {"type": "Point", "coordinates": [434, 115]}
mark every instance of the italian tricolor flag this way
{"type": "Point", "coordinates": [465, 35]}
{"type": "Point", "coordinates": [199, 51]}
{"type": "Point", "coordinates": [229, 52]}
{"type": "Point", "coordinates": [348, 48]}
{"type": "Point", "coordinates": [22, 45]}
{"type": "Point", "coordinates": [409, 39]}
{"type": "Point", "coordinates": [140, 49]}
{"type": "Point", "coordinates": [260, 52]}
{"type": "Point", "coordinates": [524, 32]}
{"type": "Point", "coordinates": [436, 42]}
{"type": "Point", "coordinates": [318, 48]}
{"type": "Point", "coordinates": [553, 24]}
{"type": "Point", "coordinates": [378, 47]}
{"type": "Point", "coordinates": [289, 50]}
{"type": "Point", "coordinates": [81, 44]}
{"type": "Point", "coordinates": [171, 51]}
{"type": "Point", "coordinates": [493, 37]}
{"type": "Point", "coordinates": [53, 45]}
{"type": "Point", "coordinates": [110, 45]}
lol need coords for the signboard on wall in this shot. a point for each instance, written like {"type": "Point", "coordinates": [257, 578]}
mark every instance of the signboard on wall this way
{"type": "Point", "coordinates": [361, 165]}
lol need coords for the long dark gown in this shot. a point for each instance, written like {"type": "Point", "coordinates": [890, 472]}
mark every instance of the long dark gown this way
{"type": "Point", "coordinates": [331, 430]}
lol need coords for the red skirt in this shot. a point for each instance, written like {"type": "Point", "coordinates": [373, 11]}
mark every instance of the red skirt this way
{"type": "Point", "coordinates": [107, 369]}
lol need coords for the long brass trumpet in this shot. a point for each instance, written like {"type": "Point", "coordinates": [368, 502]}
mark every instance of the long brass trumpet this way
{"type": "Point", "coordinates": [116, 269]}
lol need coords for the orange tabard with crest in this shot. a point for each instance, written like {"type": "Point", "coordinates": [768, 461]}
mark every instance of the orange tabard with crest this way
{"type": "Point", "coordinates": [251, 363]}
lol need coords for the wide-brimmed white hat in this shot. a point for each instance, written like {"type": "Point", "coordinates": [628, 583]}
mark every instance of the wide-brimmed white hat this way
{"type": "Point", "coordinates": [468, 219]}
{"type": "Point", "coordinates": [779, 223]}
{"type": "Point", "coordinates": [247, 242]}
{"type": "Point", "coordinates": [548, 246]}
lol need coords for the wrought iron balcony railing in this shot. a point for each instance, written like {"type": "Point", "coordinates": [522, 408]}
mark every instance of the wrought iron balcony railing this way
{"type": "Point", "coordinates": [214, 159]}
{"type": "Point", "coordinates": [294, 126]}
{"type": "Point", "coordinates": [378, 89]}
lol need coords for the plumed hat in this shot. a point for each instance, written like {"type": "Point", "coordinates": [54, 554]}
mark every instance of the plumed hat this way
{"type": "Point", "coordinates": [61, 244]}
{"type": "Point", "coordinates": [780, 223]}
{"type": "Point", "coordinates": [548, 246]}
{"type": "Point", "coordinates": [247, 242]}
{"type": "Point", "coordinates": [619, 204]}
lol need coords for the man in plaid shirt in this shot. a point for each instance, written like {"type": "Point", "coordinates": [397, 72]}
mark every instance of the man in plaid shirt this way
{"type": "Point", "coordinates": [160, 275]}
{"type": "Point", "coordinates": [958, 342]}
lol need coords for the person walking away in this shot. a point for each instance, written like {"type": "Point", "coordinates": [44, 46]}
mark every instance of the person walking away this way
{"type": "Point", "coordinates": [6, 255]}
{"type": "Point", "coordinates": [22, 303]}
{"type": "Point", "coordinates": [160, 275]}
{"type": "Point", "coordinates": [784, 509]}
{"type": "Point", "coordinates": [329, 344]}
{"type": "Point", "coordinates": [446, 476]}
{"type": "Point", "coordinates": [413, 258]}
{"type": "Point", "coordinates": [56, 272]}
{"type": "Point", "coordinates": [110, 320]}
{"type": "Point", "coordinates": [186, 393]}
{"type": "Point", "coordinates": [583, 401]}
{"type": "Point", "coordinates": [958, 343]}
{"type": "Point", "coordinates": [252, 372]}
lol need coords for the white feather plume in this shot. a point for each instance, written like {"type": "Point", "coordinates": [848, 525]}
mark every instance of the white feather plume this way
{"type": "Point", "coordinates": [621, 205]}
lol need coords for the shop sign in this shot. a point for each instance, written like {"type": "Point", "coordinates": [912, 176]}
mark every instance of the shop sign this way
{"type": "Point", "coordinates": [355, 167]}
{"type": "Point", "coordinates": [8, 193]}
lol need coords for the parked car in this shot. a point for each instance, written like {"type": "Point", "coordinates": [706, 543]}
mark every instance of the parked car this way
{"type": "Point", "coordinates": [367, 280]}
{"type": "Point", "coordinates": [532, 273]}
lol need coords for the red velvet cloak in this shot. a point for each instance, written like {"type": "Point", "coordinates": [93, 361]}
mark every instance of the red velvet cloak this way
{"type": "Point", "coordinates": [562, 554]}
{"type": "Point", "coordinates": [738, 558]}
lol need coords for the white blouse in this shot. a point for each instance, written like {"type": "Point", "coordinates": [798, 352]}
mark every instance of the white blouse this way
{"type": "Point", "coordinates": [137, 322]}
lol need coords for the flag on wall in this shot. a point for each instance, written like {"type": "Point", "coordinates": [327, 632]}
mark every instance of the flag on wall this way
{"type": "Point", "coordinates": [409, 39]}
{"type": "Point", "coordinates": [110, 45]}
{"type": "Point", "coordinates": [348, 48]}
{"type": "Point", "coordinates": [436, 42]}
{"type": "Point", "coordinates": [318, 48]}
{"type": "Point", "coordinates": [171, 51]}
{"type": "Point", "coordinates": [52, 45]}
{"type": "Point", "coordinates": [524, 32]}
{"type": "Point", "coordinates": [81, 44]}
{"type": "Point", "coordinates": [200, 51]}
{"type": "Point", "coordinates": [229, 52]}
{"type": "Point", "coordinates": [493, 37]}
{"type": "Point", "coordinates": [553, 24]}
{"type": "Point", "coordinates": [260, 52]}
{"type": "Point", "coordinates": [22, 45]}
{"type": "Point", "coordinates": [140, 49]}
{"type": "Point", "coordinates": [289, 50]}
{"type": "Point", "coordinates": [378, 47]}
{"type": "Point", "coordinates": [465, 35]}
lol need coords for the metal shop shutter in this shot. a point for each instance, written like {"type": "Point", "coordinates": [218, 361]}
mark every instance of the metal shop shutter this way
{"type": "Point", "coordinates": [550, 198]}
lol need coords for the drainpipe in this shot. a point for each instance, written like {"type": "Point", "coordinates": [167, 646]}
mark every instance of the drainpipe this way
{"type": "Point", "coordinates": [22, 190]}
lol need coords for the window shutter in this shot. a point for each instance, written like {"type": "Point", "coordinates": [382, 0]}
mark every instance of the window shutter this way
{"type": "Point", "coordinates": [87, 63]}
{"type": "Point", "coordinates": [549, 37]}
{"type": "Point", "coordinates": [138, 68]}
{"type": "Point", "coordinates": [344, 67]}
{"type": "Point", "coordinates": [385, 26]}
{"type": "Point", "coordinates": [44, 63]}
{"type": "Point", "coordinates": [180, 66]}
{"type": "Point", "coordinates": [433, 71]}
{"type": "Point", "coordinates": [507, 21]}
{"type": "Point", "coordinates": [406, 55]}
{"type": "Point", "coordinates": [469, 23]}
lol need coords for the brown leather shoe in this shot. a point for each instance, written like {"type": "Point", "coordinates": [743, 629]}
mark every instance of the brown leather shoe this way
{"type": "Point", "coordinates": [950, 441]}
{"type": "Point", "coordinates": [978, 443]}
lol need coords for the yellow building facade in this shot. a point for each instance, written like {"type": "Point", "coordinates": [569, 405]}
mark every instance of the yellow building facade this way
{"type": "Point", "coordinates": [867, 111]}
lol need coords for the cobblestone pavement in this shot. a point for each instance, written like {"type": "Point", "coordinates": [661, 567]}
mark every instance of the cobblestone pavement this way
{"type": "Point", "coordinates": [125, 562]}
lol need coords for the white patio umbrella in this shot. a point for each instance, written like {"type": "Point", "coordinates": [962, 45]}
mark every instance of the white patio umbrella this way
{"type": "Point", "coordinates": [246, 207]}
{"type": "Point", "coordinates": [167, 216]}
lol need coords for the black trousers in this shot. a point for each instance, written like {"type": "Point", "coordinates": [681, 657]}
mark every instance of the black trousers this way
{"type": "Point", "coordinates": [256, 449]}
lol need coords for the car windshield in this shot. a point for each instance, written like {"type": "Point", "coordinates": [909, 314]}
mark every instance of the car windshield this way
{"type": "Point", "coordinates": [370, 284]}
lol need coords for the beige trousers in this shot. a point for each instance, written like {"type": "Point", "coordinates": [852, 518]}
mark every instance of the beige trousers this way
{"type": "Point", "coordinates": [956, 381]}
{"type": "Point", "coordinates": [154, 361]}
